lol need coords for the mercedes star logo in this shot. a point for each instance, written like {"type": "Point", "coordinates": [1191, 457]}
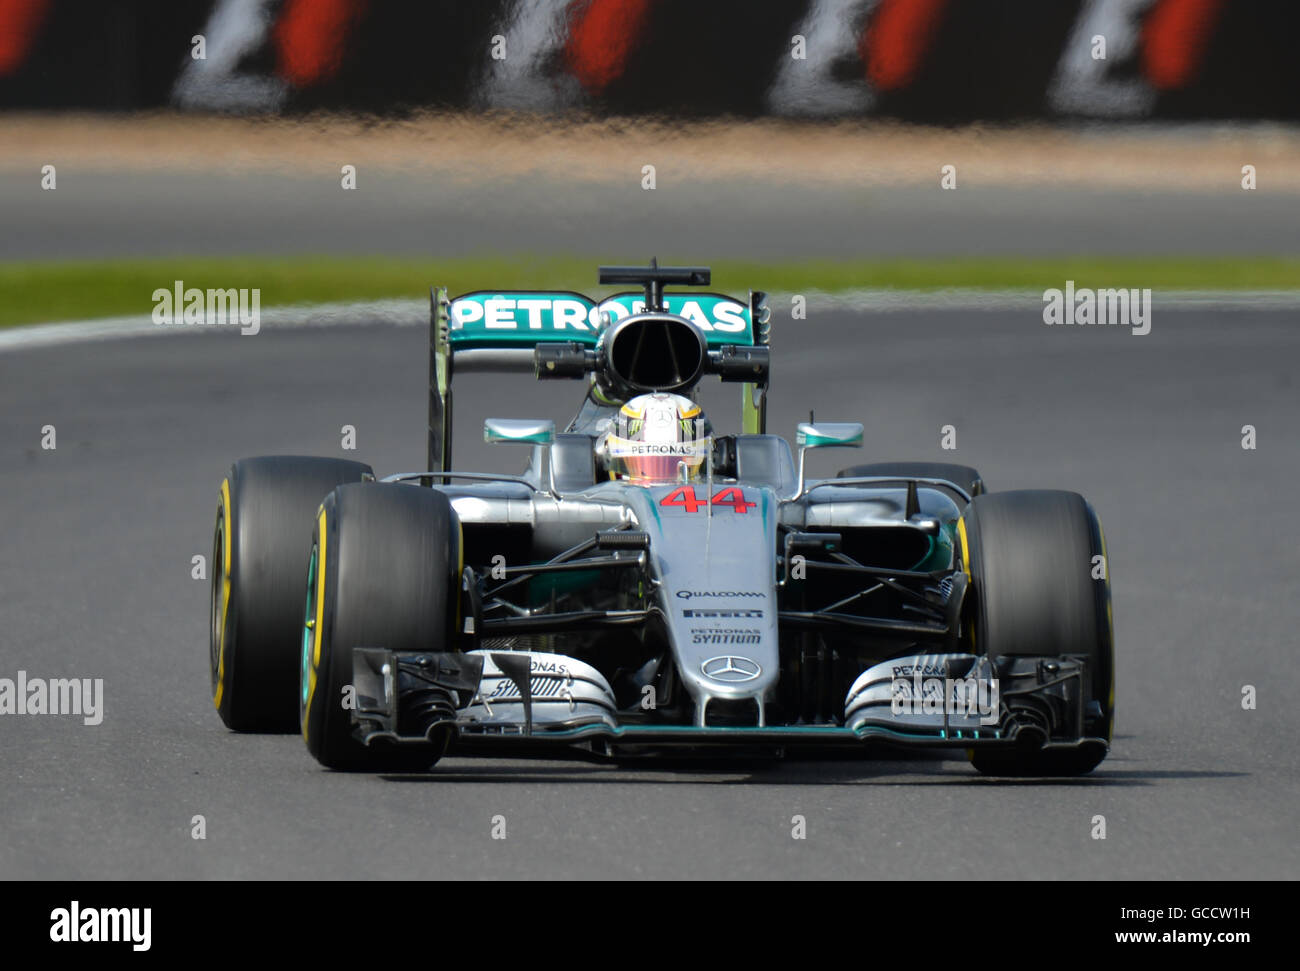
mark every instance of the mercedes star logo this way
{"type": "Point", "coordinates": [730, 669]}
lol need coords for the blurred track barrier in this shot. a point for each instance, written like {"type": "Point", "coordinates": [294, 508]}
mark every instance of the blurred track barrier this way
{"type": "Point", "coordinates": [935, 61]}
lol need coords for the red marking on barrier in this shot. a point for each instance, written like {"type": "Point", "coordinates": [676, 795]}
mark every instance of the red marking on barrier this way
{"type": "Point", "coordinates": [897, 39]}
{"type": "Point", "coordinates": [1175, 36]}
{"type": "Point", "coordinates": [20, 20]}
{"type": "Point", "coordinates": [602, 33]}
{"type": "Point", "coordinates": [311, 36]}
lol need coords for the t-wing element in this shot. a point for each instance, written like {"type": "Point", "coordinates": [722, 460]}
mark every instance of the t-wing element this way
{"type": "Point", "coordinates": [655, 277]}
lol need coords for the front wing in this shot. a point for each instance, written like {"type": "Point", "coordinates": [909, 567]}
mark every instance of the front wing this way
{"type": "Point", "coordinates": [522, 697]}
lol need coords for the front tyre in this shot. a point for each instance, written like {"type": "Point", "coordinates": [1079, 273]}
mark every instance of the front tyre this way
{"type": "Point", "coordinates": [1040, 588]}
{"type": "Point", "coordinates": [265, 511]}
{"type": "Point", "coordinates": [384, 572]}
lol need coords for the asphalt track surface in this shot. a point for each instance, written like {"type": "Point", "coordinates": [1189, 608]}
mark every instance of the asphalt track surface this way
{"type": "Point", "coordinates": [95, 582]}
{"type": "Point", "coordinates": [96, 213]}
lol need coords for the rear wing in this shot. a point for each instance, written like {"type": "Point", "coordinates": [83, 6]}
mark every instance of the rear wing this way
{"type": "Point", "coordinates": [501, 331]}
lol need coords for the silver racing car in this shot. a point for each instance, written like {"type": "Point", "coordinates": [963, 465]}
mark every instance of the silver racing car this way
{"type": "Point", "coordinates": [646, 585]}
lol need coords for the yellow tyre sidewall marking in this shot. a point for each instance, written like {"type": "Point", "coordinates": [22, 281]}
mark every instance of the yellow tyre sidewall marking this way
{"type": "Point", "coordinates": [227, 538]}
{"type": "Point", "coordinates": [965, 567]}
{"type": "Point", "coordinates": [318, 624]}
{"type": "Point", "coordinates": [1110, 625]}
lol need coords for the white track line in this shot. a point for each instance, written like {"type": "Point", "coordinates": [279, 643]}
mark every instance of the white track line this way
{"type": "Point", "coordinates": [962, 299]}
{"type": "Point", "coordinates": [383, 312]}
{"type": "Point", "coordinates": [415, 313]}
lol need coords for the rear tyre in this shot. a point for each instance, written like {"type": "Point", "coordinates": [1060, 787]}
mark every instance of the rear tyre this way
{"type": "Point", "coordinates": [265, 511]}
{"type": "Point", "coordinates": [384, 572]}
{"type": "Point", "coordinates": [962, 475]}
{"type": "Point", "coordinates": [1030, 557]}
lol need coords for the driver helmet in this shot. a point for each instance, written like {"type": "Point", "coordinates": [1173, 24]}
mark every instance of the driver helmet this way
{"type": "Point", "coordinates": [654, 436]}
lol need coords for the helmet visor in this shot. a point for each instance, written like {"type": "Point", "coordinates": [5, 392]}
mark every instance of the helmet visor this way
{"type": "Point", "coordinates": [656, 461]}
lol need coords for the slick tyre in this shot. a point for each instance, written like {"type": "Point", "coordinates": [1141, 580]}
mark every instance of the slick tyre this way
{"type": "Point", "coordinates": [265, 510]}
{"type": "Point", "coordinates": [384, 572]}
{"type": "Point", "coordinates": [1030, 556]}
{"type": "Point", "coordinates": [962, 475]}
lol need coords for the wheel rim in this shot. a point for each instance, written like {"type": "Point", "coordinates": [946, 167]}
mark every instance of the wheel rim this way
{"type": "Point", "coordinates": [217, 607]}
{"type": "Point", "coordinates": [308, 632]}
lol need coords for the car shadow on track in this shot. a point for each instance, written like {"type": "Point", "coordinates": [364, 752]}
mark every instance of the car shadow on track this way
{"type": "Point", "coordinates": [930, 772]}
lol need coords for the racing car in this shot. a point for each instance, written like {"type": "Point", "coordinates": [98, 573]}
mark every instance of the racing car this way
{"type": "Point", "coordinates": [648, 585]}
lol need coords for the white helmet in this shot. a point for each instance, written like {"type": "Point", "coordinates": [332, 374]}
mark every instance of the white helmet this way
{"type": "Point", "coordinates": [654, 435]}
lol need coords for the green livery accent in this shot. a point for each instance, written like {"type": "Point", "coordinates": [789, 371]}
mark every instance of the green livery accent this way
{"type": "Point", "coordinates": [838, 434]}
{"type": "Point", "coordinates": [541, 589]}
{"type": "Point", "coordinates": [526, 318]}
{"type": "Point", "coordinates": [519, 431]}
{"type": "Point", "coordinates": [648, 733]}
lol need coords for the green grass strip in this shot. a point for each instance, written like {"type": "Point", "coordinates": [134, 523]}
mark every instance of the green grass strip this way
{"type": "Point", "coordinates": [37, 292]}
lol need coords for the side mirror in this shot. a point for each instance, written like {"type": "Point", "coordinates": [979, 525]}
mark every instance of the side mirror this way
{"type": "Point", "coordinates": [519, 431]}
{"type": "Point", "coordinates": [827, 434]}
{"type": "Point", "coordinates": [830, 434]}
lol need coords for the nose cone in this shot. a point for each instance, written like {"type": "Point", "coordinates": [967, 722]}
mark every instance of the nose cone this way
{"type": "Point", "coordinates": [717, 566]}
